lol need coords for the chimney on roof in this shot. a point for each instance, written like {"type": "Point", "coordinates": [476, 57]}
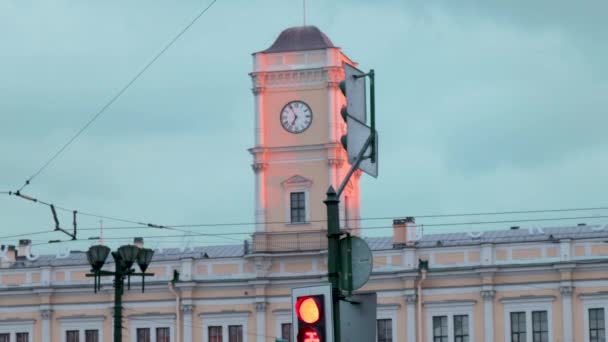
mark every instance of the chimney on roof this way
{"type": "Point", "coordinates": [9, 255]}
{"type": "Point", "coordinates": [404, 232]}
{"type": "Point", "coordinates": [139, 242]}
{"type": "Point", "coordinates": [24, 247]}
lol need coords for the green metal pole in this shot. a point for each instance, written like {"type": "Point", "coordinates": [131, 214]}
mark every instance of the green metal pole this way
{"type": "Point", "coordinates": [118, 288]}
{"type": "Point", "coordinates": [334, 265]}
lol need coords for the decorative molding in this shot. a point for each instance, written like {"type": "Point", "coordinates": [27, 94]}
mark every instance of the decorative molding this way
{"type": "Point", "coordinates": [334, 76]}
{"type": "Point", "coordinates": [527, 299]}
{"type": "Point", "coordinates": [46, 313]}
{"type": "Point", "coordinates": [262, 266]}
{"type": "Point", "coordinates": [260, 306]}
{"type": "Point", "coordinates": [335, 162]}
{"type": "Point", "coordinates": [82, 318]}
{"type": "Point", "coordinates": [155, 315]}
{"type": "Point", "coordinates": [187, 308]}
{"type": "Point", "coordinates": [488, 294]}
{"type": "Point", "coordinates": [257, 90]}
{"type": "Point", "coordinates": [411, 298]}
{"type": "Point", "coordinates": [224, 314]}
{"type": "Point", "coordinates": [566, 290]}
{"type": "Point", "coordinates": [449, 303]}
{"type": "Point", "coordinates": [258, 166]}
{"type": "Point", "coordinates": [296, 181]}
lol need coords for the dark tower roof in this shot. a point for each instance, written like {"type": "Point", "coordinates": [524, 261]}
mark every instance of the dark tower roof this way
{"type": "Point", "coordinates": [300, 38]}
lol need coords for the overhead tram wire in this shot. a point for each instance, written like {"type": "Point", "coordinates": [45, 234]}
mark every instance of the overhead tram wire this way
{"type": "Point", "coordinates": [141, 225]}
{"type": "Point", "coordinates": [441, 224]}
{"type": "Point", "coordinates": [235, 224]}
{"type": "Point", "coordinates": [115, 97]}
{"type": "Point", "coordinates": [225, 235]}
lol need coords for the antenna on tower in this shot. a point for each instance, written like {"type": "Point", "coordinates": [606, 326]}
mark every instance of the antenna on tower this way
{"type": "Point", "coordinates": [101, 232]}
{"type": "Point", "coordinates": [304, 1]}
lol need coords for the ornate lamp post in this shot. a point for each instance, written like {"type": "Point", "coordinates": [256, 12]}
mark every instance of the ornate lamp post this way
{"type": "Point", "coordinates": [124, 258]}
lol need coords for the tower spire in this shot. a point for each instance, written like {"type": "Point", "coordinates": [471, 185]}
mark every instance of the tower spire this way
{"type": "Point", "coordinates": [304, 3]}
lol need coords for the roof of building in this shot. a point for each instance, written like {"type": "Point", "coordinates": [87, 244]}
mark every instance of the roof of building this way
{"type": "Point", "coordinates": [553, 234]}
{"type": "Point", "coordinates": [499, 236]}
{"type": "Point", "coordinates": [300, 38]}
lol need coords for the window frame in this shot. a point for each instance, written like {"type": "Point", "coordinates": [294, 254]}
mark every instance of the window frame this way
{"type": "Point", "coordinates": [152, 322]}
{"type": "Point", "coordinates": [224, 320]}
{"type": "Point", "coordinates": [388, 312]}
{"type": "Point", "coordinates": [591, 301]}
{"type": "Point", "coordinates": [299, 209]}
{"type": "Point", "coordinates": [12, 327]}
{"type": "Point", "coordinates": [391, 324]}
{"type": "Point", "coordinates": [449, 309]}
{"type": "Point", "coordinates": [588, 327]}
{"type": "Point", "coordinates": [81, 324]}
{"type": "Point", "coordinates": [528, 305]}
{"type": "Point", "coordinates": [280, 318]}
{"type": "Point", "coordinates": [297, 183]}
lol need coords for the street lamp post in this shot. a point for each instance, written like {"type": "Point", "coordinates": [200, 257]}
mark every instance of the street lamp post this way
{"type": "Point", "coordinates": [124, 258]}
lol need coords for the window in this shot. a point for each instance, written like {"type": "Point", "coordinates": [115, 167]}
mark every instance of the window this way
{"type": "Point", "coordinates": [19, 337]}
{"type": "Point", "coordinates": [461, 328]}
{"type": "Point", "coordinates": [528, 319]}
{"type": "Point", "coordinates": [89, 329]}
{"type": "Point", "coordinates": [518, 327]}
{"type": "Point", "coordinates": [298, 207]}
{"type": "Point", "coordinates": [91, 336]}
{"type": "Point", "coordinates": [597, 325]}
{"type": "Point", "coordinates": [440, 329]}
{"type": "Point", "coordinates": [71, 336]}
{"type": "Point", "coordinates": [450, 322]}
{"type": "Point", "coordinates": [163, 335]}
{"type": "Point", "coordinates": [215, 334]}
{"type": "Point", "coordinates": [23, 337]}
{"type": "Point", "coordinates": [540, 330]}
{"type": "Point", "coordinates": [152, 327]}
{"type": "Point", "coordinates": [385, 330]}
{"type": "Point", "coordinates": [225, 327]}
{"type": "Point", "coordinates": [235, 333]}
{"type": "Point", "coordinates": [143, 334]}
{"type": "Point", "coordinates": [286, 331]}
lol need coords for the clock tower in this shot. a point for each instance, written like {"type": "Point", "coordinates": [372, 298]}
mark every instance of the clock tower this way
{"type": "Point", "coordinates": [297, 154]}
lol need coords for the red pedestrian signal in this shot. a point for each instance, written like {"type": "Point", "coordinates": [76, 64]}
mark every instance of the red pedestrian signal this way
{"type": "Point", "coordinates": [311, 318]}
{"type": "Point", "coordinates": [308, 335]}
{"type": "Point", "coordinates": [308, 309]}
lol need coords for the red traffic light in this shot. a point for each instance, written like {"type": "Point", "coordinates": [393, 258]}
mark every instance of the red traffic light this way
{"type": "Point", "coordinates": [308, 335]}
{"type": "Point", "coordinates": [308, 310]}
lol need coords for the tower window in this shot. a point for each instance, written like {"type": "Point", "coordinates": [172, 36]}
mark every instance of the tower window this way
{"type": "Point", "coordinates": [298, 207]}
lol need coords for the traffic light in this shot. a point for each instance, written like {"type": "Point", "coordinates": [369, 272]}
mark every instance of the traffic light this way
{"type": "Point", "coordinates": [312, 312]}
{"type": "Point", "coordinates": [311, 326]}
{"type": "Point", "coordinates": [354, 113]}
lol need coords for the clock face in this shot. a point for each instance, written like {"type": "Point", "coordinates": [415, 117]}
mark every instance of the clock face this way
{"type": "Point", "coordinates": [296, 117]}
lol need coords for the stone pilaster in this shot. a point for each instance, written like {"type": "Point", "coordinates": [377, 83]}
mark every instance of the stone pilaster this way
{"type": "Point", "coordinates": [566, 292]}
{"type": "Point", "coordinates": [187, 310]}
{"type": "Point", "coordinates": [488, 314]}
{"type": "Point", "coordinates": [410, 302]}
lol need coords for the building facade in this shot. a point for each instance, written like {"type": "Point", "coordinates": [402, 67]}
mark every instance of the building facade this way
{"type": "Point", "coordinates": [516, 284]}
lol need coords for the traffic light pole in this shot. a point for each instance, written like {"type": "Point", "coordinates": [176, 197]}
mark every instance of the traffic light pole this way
{"type": "Point", "coordinates": [332, 202]}
{"type": "Point", "coordinates": [119, 284]}
{"type": "Point", "coordinates": [334, 263]}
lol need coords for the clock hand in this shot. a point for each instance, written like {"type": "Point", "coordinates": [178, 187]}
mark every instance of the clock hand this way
{"type": "Point", "coordinates": [295, 116]}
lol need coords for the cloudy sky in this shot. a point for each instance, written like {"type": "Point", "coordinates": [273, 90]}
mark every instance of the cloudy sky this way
{"type": "Point", "coordinates": [482, 106]}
